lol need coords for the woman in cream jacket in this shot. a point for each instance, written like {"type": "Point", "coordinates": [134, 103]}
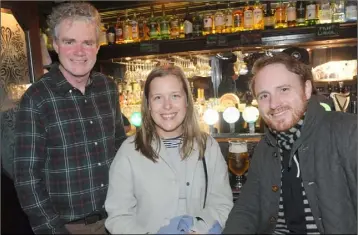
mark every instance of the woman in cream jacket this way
{"type": "Point", "coordinates": [158, 174]}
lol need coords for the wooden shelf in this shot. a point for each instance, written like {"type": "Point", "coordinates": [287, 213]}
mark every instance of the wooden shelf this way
{"type": "Point", "coordinates": [342, 34]}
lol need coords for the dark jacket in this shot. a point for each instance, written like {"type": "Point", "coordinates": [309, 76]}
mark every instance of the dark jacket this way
{"type": "Point", "coordinates": [327, 150]}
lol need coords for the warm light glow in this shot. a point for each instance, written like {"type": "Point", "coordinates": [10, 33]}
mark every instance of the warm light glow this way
{"type": "Point", "coordinates": [128, 58]}
{"type": "Point", "coordinates": [136, 119]}
{"type": "Point", "coordinates": [250, 114]}
{"type": "Point", "coordinates": [231, 115]}
{"type": "Point", "coordinates": [211, 116]}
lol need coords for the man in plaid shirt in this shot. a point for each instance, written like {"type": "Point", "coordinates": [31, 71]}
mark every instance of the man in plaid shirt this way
{"type": "Point", "coordinates": [68, 129]}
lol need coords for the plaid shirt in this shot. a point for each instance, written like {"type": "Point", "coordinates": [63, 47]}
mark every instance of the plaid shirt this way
{"type": "Point", "coordinates": [65, 143]}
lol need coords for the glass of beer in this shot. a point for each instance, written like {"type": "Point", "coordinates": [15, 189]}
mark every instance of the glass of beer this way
{"type": "Point", "coordinates": [238, 161]}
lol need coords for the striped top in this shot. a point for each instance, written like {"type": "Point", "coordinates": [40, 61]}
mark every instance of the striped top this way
{"type": "Point", "coordinates": [173, 142]}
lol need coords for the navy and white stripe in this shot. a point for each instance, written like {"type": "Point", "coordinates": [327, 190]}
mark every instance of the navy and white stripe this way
{"type": "Point", "coordinates": [173, 142]}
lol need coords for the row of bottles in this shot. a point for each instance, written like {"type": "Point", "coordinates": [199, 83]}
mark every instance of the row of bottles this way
{"type": "Point", "coordinates": [256, 15]}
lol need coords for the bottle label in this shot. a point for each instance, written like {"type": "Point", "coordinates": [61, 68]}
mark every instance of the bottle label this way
{"type": "Point", "coordinates": [269, 21]}
{"type": "Point", "coordinates": [153, 32]}
{"type": "Point", "coordinates": [258, 16]}
{"type": "Point", "coordinates": [238, 21]}
{"type": "Point", "coordinates": [188, 27]}
{"type": "Point", "coordinates": [228, 20]}
{"type": "Point", "coordinates": [134, 30]}
{"type": "Point", "coordinates": [311, 12]}
{"type": "Point", "coordinates": [248, 19]}
{"type": "Point", "coordinates": [351, 12]}
{"type": "Point", "coordinates": [174, 24]}
{"type": "Point", "coordinates": [208, 22]}
{"type": "Point", "coordinates": [164, 27]}
{"type": "Point", "coordinates": [291, 14]}
{"type": "Point", "coordinates": [119, 33]}
{"type": "Point", "coordinates": [219, 20]}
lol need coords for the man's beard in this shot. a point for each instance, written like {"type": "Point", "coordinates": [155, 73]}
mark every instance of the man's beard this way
{"type": "Point", "coordinates": [281, 125]}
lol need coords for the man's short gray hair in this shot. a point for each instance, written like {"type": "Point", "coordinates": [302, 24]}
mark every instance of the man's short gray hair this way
{"type": "Point", "coordinates": [73, 11]}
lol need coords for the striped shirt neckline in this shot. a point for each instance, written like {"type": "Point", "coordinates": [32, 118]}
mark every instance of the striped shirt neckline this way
{"type": "Point", "coordinates": [174, 142]}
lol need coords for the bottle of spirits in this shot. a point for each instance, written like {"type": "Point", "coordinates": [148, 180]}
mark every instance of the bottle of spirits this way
{"type": "Point", "coordinates": [325, 12]}
{"type": "Point", "coordinates": [207, 22]}
{"type": "Point", "coordinates": [269, 19]}
{"type": "Point", "coordinates": [258, 15]}
{"type": "Point", "coordinates": [291, 14]}
{"type": "Point", "coordinates": [197, 25]}
{"type": "Point", "coordinates": [219, 20]}
{"type": "Point", "coordinates": [280, 16]}
{"type": "Point", "coordinates": [153, 26]}
{"type": "Point", "coordinates": [238, 20]}
{"type": "Point", "coordinates": [111, 35]}
{"type": "Point", "coordinates": [164, 25]}
{"type": "Point", "coordinates": [135, 30]}
{"type": "Point", "coordinates": [228, 19]}
{"type": "Point", "coordinates": [143, 31]}
{"type": "Point", "coordinates": [338, 14]}
{"type": "Point", "coordinates": [311, 13]}
{"type": "Point", "coordinates": [248, 16]}
{"type": "Point", "coordinates": [103, 36]}
{"type": "Point", "coordinates": [127, 29]}
{"type": "Point", "coordinates": [188, 24]}
{"type": "Point", "coordinates": [301, 13]}
{"type": "Point", "coordinates": [351, 11]}
{"type": "Point", "coordinates": [119, 31]}
{"type": "Point", "coordinates": [181, 28]}
{"type": "Point", "coordinates": [174, 26]}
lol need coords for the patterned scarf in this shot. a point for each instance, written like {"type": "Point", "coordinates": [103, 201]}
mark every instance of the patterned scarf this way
{"type": "Point", "coordinates": [285, 139]}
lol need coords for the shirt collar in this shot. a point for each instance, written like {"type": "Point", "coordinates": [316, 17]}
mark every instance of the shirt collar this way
{"type": "Point", "coordinates": [62, 85]}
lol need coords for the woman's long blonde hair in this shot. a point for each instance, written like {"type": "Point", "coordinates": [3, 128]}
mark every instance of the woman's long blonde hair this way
{"type": "Point", "coordinates": [191, 130]}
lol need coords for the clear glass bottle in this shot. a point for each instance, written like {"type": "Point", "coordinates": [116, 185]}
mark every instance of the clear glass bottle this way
{"type": "Point", "coordinates": [135, 30]}
{"type": "Point", "coordinates": [219, 20]}
{"type": "Point", "coordinates": [291, 14]}
{"type": "Point", "coordinates": [301, 13]}
{"type": "Point", "coordinates": [311, 13]}
{"type": "Point", "coordinates": [351, 11]}
{"type": "Point", "coordinates": [325, 12]}
{"type": "Point", "coordinates": [269, 18]}
{"type": "Point", "coordinates": [258, 14]}
{"type": "Point", "coordinates": [238, 20]}
{"type": "Point", "coordinates": [207, 22]}
{"type": "Point", "coordinates": [338, 14]}
{"type": "Point", "coordinates": [127, 29]}
{"type": "Point", "coordinates": [280, 16]}
{"type": "Point", "coordinates": [174, 26]}
{"type": "Point", "coordinates": [228, 19]}
{"type": "Point", "coordinates": [248, 16]}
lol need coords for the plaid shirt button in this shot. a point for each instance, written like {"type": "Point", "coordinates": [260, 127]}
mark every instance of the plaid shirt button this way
{"type": "Point", "coordinates": [91, 122]}
{"type": "Point", "coordinates": [99, 164]}
{"type": "Point", "coordinates": [95, 143]}
{"type": "Point", "coordinates": [102, 185]}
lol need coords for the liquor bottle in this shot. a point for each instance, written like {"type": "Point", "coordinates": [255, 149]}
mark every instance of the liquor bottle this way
{"type": "Point", "coordinates": [219, 20]}
{"type": "Point", "coordinates": [111, 35]}
{"type": "Point", "coordinates": [300, 13]}
{"type": "Point", "coordinates": [269, 19]}
{"type": "Point", "coordinates": [197, 25]}
{"type": "Point", "coordinates": [102, 35]}
{"type": "Point", "coordinates": [207, 22]}
{"type": "Point", "coordinates": [153, 26]}
{"type": "Point", "coordinates": [135, 33]}
{"type": "Point", "coordinates": [258, 15]}
{"type": "Point", "coordinates": [311, 13]}
{"type": "Point", "coordinates": [351, 11]}
{"type": "Point", "coordinates": [338, 14]}
{"type": "Point", "coordinates": [291, 14]}
{"type": "Point", "coordinates": [143, 31]}
{"type": "Point", "coordinates": [119, 31]}
{"type": "Point", "coordinates": [280, 16]}
{"type": "Point", "coordinates": [228, 19]}
{"type": "Point", "coordinates": [174, 26]}
{"type": "Point", "coordinates": [164, 25]}
{"type": "Point", "coordinates": [325, 12]}
{"type": "Point", "coordinates": [188, 24]}
{"type": "Point", "coordinates": [238, 20]}
{"type": "Point", "coordinates": [248, 16]}
{"type": "Point", "coordinates": [127, 29]}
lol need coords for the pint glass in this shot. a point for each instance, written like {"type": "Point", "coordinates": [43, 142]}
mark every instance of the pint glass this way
{"type": "Point", "coordinates": [238, 161]}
